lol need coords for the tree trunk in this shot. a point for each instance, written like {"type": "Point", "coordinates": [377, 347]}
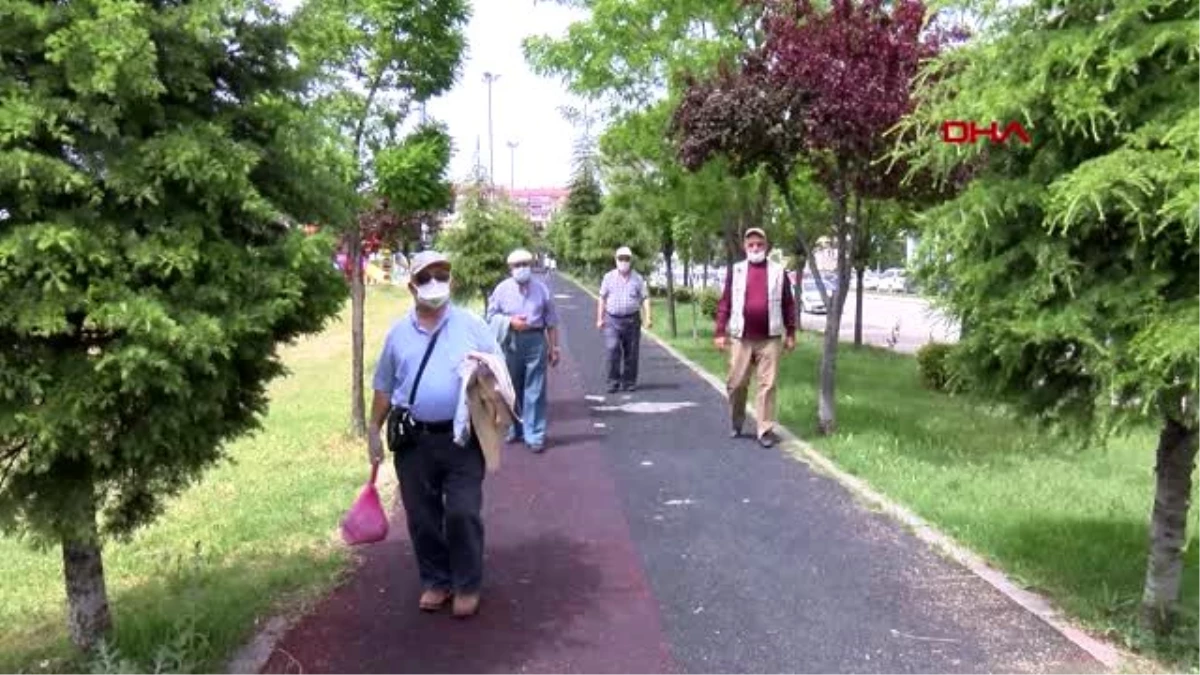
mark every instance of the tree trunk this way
{"type": "Point", "coordinates": [858, 307]}
{"type": "Point", "coordinates": [687, 272]}
{"type": "Point", "coordinates": [668, 252]}
{"type": "Point", "coordinates": [861, 240]}
{"type": "Point", "coordinates": [88, 619]}
{"type": "Point", "coordinates": [358, 299]}
{"type": "Point", "coordinates": [1176, 459]}
{"type": "Point", "coordinates": [827, 403]}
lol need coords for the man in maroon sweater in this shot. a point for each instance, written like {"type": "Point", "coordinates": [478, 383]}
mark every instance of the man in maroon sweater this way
{"type": "Point", "coordinates": [756, 321]}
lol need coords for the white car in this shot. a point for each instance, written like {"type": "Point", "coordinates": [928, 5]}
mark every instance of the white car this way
{"type": "Point", "coordinates": [871, 280]}
{"type": "Point", "coordinates": [893, 281]}
{"type": "Point", "coordinates": [810, 298]}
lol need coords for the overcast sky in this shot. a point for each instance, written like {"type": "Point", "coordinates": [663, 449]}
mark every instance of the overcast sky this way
{"type": "Point", "coordinates": [524, 105]}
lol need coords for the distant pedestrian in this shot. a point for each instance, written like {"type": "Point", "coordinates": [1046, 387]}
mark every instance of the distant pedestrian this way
{"type": "Point", "coordinates": [756, 320]}
{"type": "Point", "coordinates": [531, 343]}
{"type": "Point", "coordinates": [623, 296]}
{"type": "Point", "coordinates": [418, 390]}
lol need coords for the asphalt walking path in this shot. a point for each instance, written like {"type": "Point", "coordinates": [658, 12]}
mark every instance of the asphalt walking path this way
{"type": "Point", "coordinates": [646, 540]}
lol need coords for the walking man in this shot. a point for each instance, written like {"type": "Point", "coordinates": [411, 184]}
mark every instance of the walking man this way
{"type": "Point", "coordinates": [756, 321]}
{"type": "Point", "coordinates": [623, 294]}
{"type": "Point", "coordinates": [532, 343]}
{"type": "Point", "coordinates": [417, 388]}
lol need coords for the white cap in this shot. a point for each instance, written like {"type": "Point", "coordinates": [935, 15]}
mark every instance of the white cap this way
{"type": "Point", "coordinates": [755, 231]}
{"type": "Point", "coordinates": [424, 259]}
{"type": "Point", "coordinates": [624, 250]}
{"type": "Point", "coordinates": [519, 256]}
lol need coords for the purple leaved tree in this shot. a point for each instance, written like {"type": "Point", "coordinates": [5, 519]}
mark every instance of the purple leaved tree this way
{"type": "Point", "coordinates": [824, 88]}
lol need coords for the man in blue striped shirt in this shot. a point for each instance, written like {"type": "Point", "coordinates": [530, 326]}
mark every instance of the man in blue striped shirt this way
{"type": "Point", "coordinates": [532, 343]}
{"type": "Point", "coordinates": [623, 295]}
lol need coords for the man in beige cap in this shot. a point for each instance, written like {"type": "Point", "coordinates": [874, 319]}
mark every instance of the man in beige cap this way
{"type": "Point", "coordinates": [623, 296]}
{"type": "Point", "coordinates": [756, 321]}
{"type": "Point", "coordinates": [417, 390]}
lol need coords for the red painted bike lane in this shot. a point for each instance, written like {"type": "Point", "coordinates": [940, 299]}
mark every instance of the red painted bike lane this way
{"type": "Point", "coordinates": [564, 589]}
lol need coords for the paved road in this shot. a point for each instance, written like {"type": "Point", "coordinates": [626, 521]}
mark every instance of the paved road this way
{"type": "Point", "coordinates": [646, 540]}
{"type": "Point", "coordinates": [907, 319]}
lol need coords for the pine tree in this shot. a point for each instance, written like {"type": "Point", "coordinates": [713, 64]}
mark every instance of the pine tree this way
{"type": "Point", "coordinates": [1074, 258]}
{"type": "Point", "coordinates": [584, 202]}
{"type": "Point", "coordinates": [152, 157]}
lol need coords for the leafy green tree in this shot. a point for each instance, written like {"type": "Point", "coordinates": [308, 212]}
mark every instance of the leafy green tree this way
{"type": "Point", "coordinates": [155, 161]}
{"type": "Point", "coordinates": [626, 50]}
{"type": "Point", "coordinates": [617, 226]}
{"type": "Point", "coordinates": [375, 61]}
{"type": "Point", "coordinates": [478, 246]}
{"type": "Point", "coordinates": [558, 238]}
{"type": "Point", "coordinates": [1074, 258]}
{"type": "Point", "coordinates": [627, 55]}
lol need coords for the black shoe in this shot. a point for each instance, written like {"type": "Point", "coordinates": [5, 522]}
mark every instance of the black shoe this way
{"type": "Point", "coordinates": [630, 388]}
{"type": "Point", "coordinates": [612, 388]}
{"type": "Point", "coordinates": [737, 431]}
{"type": "Point", "coordinates": [537, 448]}
{"type": "Point", "coordinates": [769, 439]}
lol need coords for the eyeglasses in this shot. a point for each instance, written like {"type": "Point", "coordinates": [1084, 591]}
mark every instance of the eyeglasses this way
{"type": "Point", "coordinates": [756, 244]}
{"type": "Point", "coordinates": [519, 264]}
{"type": "Point", "coordinates": [623, 258]}
{"type": "Point", "coordinates": [421, 278]}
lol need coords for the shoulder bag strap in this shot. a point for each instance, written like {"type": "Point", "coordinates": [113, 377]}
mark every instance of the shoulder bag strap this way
{"type": "Point", "coordinates": [412, 393]}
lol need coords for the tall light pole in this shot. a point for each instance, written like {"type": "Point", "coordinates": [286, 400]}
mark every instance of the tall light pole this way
{"type": "Point", "coordinates": [489, 78]}
{"type": "Point", "coordinates": [512, 169]}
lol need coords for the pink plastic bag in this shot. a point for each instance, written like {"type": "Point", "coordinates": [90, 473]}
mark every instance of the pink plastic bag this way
{"type": "Point", "coordinates": [366, 523]}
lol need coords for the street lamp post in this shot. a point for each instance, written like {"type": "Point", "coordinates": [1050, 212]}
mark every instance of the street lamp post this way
{"type": "Point", "coordinates": [512, 169]}
{"type": "Point", "coordinates": [489, 78]}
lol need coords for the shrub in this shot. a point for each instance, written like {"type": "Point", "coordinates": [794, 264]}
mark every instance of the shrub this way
{"type": "Point", "coordinates": [936, 371]}
{"type": "Point", "coordinates": [683, 294]}
{"type": "Point", "coordinates": [708, 302]}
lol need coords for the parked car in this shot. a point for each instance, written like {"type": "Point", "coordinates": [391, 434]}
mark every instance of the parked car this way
{"type": "Point", "coordinates": [810, 295]}
{"type": "Point", "coordinates": [894, 280]}
{"type": "Point", "coordinates": [871, 280]}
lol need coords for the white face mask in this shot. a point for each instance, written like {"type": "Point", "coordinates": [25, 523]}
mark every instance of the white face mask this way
{"type": "Point", "coordinates": [623, 266]}
{"type": "Point", "coordinates": [756, 256]}
{"type": "Point", "coordinates": [521, 274]}
{"type": "Point", "coordinates": [433, 294]}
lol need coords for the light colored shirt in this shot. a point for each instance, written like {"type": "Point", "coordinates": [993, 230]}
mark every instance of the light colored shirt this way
{"type": "Point", "coordinates": [441, 384]}
{"type": "Point", "coordinates": [534, 301]}
{"type": "Point", "coordinates": [623, 296]}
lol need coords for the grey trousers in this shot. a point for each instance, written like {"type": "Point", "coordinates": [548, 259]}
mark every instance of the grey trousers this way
{"type": "Point", "coordinates": [622, 341]}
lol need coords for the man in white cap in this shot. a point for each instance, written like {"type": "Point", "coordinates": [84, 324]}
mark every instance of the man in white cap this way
{"type": "Point", "coordinates": [756, 321]}
{"type": "Point", "coordinates": [532, 343]}
{"type": "Point", "coordinates": [623, 295]}
{"type": "Point", "coordinates": [417, 389]}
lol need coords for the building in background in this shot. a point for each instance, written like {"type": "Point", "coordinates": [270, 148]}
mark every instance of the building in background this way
{"type": "Point", "coordinates": [538, 204]}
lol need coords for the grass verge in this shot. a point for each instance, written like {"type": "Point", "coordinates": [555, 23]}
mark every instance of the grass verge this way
{"type": "Point", "coordinates": [258, 536]}
{"type": "Point", "coordinates": [1071, 523]}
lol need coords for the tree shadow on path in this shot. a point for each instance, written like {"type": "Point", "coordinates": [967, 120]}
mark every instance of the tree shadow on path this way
{"type": "Point", "coordinates": [542, 599]}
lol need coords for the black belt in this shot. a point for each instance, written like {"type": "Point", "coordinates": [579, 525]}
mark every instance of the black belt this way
{"type": "Point", "coordinates": [624, 316]}
{"type": "Point", "coordinates": [539, 329]}
{"type": "Point", "coordinates": [434, 427]}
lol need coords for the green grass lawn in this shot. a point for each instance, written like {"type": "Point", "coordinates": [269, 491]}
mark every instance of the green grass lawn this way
{"type": "Point", "coordinates": [256, 537]}
{"type": "Point", "coordinates": [1069, 522]}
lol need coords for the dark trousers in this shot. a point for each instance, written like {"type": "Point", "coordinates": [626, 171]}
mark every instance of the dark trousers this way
{"type": "Point", "coordinates": [622, 339]}
{"type": "Point", "coordinates": [441, 485]}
